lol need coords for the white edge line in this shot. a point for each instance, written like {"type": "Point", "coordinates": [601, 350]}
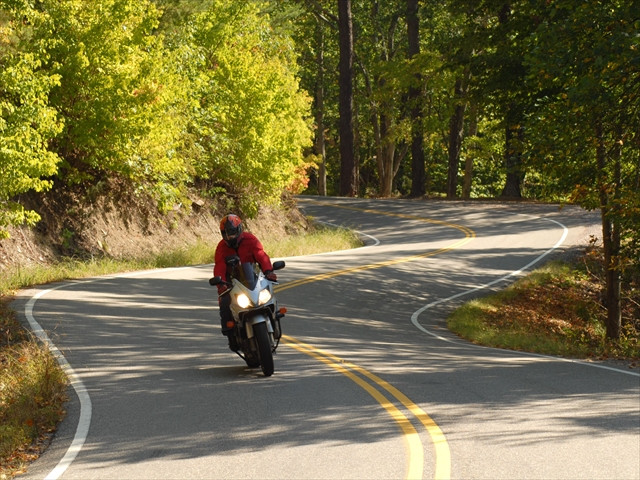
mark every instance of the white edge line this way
{"type": "Point", "coordinates": [85, 401]}
{"type": "Point", "coordinates": [84, 420]}
{"type": "Point", "coordinates": [376, 242]}
{"type": "Point", "coordinates": [416, 314]}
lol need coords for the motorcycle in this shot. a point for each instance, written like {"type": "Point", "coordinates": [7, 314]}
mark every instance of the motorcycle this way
{"type": "Point", "coordinates": [256, 325]}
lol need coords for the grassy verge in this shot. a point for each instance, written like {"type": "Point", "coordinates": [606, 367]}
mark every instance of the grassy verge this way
{"type": "Point", "coordinates": [555, 310]}
{"type": "Point", "coordinates": [32, 394]}
{"type": "Point", "coordinates": [321, 240]}
{"type": "Point", "coordinates": [32, 385]}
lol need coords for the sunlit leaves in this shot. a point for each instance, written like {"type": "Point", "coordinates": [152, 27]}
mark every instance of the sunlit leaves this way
{"type": "Point", "coordinates": [113, 90]}
{"type": "Point", "coordinates": [27, 121]}
{"type": "Point", "coordinates": [252, 113]}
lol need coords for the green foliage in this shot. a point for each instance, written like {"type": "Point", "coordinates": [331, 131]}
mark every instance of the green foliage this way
{"type": "Point", "coordinates": [168, 94]}
{"type": "Point", "coordinates": [487, 153]}
{"type": "Point", "coordinates": [27, 121]}
{"type": "Point", "coordinates": [160, 95]}
{"type": "Point", "coordinates": [117, 94]}
{"type": "Point", "coordinates": [584, 60]}
{"type": "Point", "coordinates": [252, 115]}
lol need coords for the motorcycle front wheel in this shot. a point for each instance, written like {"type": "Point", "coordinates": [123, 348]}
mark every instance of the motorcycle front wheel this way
{"type": "Point", "coordinates": [252, 361]}
{"type": "Point", "coordinates": [264, 348]}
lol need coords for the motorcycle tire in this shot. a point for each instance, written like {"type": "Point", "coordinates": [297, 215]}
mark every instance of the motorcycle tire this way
{"type": "Point", "coordinates": [264, 348]}
{"type": "Point", "coordinates": [252, 361]}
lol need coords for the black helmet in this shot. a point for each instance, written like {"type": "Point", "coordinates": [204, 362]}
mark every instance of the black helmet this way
{"type": "Point", "coordinates": [231, 229]}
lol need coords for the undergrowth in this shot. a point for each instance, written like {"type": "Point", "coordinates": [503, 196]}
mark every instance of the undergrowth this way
{"type": "Point", "coordinates": [555, 310]}
{"type": "Point", "coordinates": [32, 395]}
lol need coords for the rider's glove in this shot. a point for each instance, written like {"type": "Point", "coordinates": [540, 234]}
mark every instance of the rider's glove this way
{"type": "Point", "coordinates": [271, 276]}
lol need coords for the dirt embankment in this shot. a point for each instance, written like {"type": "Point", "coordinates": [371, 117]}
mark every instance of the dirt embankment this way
{"type": "Point", "coordinates": [122, 225]}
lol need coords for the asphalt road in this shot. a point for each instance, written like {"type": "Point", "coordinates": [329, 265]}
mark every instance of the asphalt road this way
{"type": "Point", "coordinates": [368, 383]}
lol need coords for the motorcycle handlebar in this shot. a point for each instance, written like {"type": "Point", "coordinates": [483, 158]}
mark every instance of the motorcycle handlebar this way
{"type": "Point", "coordinates": [215, 281]}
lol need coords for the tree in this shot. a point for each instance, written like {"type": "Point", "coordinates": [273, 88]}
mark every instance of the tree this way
{"type": "Point", "coordinates": [386, 88]}
{"type": "Point", "coordinates": [27, 120]}
{"type": "Point", "coordinates": [513, 107]}
{"type": "Point", "coordinates": [418, 177]}
{"type": "Point", "coordinates": [471, 154]}
{"type": "Point", "coordinates": [348, 169]}
{"type": "Point", "coordinates": [118, 95]}
{"type": "Point", "coordinates": [252, 119]}
{"type": "Point", "coordinates": [319, 144]}
{"type": "Point", "coordinates": [497, 31]}
{"type": "Point", "coordinates": [456, 129]}
{"type": "Point", "coordinates": [205, 95]}
{"type": "Point", "coordinates": [311, 26]}
{"type": "Point", "coordinates": [584, 61]}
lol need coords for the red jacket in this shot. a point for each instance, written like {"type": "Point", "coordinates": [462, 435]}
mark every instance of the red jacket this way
{"type": "Point", "coordinates": [249, 250]}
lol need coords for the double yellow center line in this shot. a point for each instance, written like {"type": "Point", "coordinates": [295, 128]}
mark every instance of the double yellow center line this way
{"type": "Point", "coordinates": [368, 380]}
{"type": "Point", "coordinates": [416, 451]}
{"type": "Point", "coordinates": [469, 235]}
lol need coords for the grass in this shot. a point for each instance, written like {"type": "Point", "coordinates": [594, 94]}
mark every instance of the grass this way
{"type": "Point", "coordinates": [555, 310]}
{"type": "Point", "coordinates": [323, 239]}
{"type": "Point", "coordinates": [32, 385]}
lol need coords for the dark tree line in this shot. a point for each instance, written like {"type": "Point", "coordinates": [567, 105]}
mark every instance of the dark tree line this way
{"type": "Point", "coordinates": [487, 98]}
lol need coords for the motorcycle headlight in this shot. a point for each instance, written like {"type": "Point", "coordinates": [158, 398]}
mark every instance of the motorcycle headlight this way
{"type": "Point", "coordinates": [243, 301]}
{"type": "Point", "coordinates": [264, 297]}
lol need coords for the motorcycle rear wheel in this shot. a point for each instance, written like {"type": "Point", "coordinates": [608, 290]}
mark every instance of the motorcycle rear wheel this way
{"type": "Point", "coordinates": [264, 348]}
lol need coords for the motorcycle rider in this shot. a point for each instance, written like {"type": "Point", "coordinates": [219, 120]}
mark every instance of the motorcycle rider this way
{"type": "Point", "coordinates": [235, 241]}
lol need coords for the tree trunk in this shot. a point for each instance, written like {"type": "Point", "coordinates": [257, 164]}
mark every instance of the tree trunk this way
{"type": "Point", "coordinates": [636, 183]}
{"type": "Point", "coordinates": [610, 238]}
{"type": "Point", "coordinates": [385, 157]}
{"type": "Point", "coordinates": [456, 124]}
{"type": "Point", "coordinates": [468, 161]}
{"type": "Point", "coordinates": [513, 154]}
{"type": "Point", "coordinates": [418, 177]}
{"type": "Point", "coordinates": [348, 169]}
{"type": "Point", "coordinates": [514, 133]}
{"type": "Point", "coordinates": [319, 143]}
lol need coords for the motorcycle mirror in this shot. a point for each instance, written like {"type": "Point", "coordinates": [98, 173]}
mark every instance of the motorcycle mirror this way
{"type": "Point", "coordinates": [279, 265]}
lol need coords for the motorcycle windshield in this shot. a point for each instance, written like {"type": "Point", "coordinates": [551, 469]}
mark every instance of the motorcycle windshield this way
{"type": "Point", "coordinates": [245, 274]}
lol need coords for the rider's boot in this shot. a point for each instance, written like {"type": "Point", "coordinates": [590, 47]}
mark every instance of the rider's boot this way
{"type": "Point", "coordinates": [233, 343]}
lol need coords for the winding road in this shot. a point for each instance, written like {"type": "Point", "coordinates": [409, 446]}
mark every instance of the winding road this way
{"type": "Point", "coordinates": [369, 383]}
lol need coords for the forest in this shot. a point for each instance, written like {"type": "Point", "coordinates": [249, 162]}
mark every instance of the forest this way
{"type": "Point", "coordinates": [248, 100]}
